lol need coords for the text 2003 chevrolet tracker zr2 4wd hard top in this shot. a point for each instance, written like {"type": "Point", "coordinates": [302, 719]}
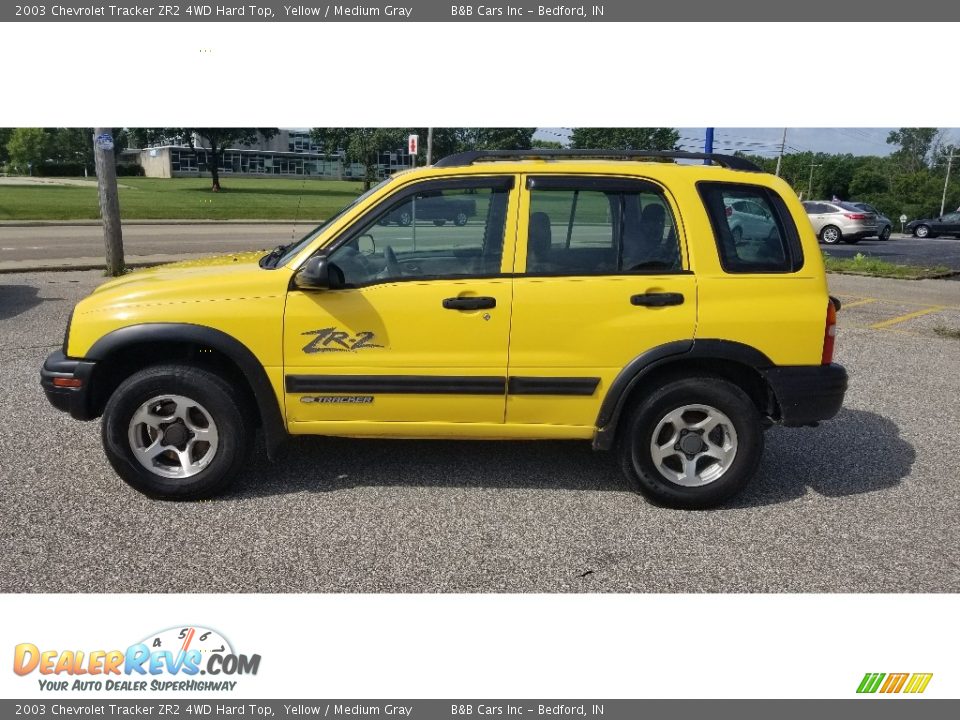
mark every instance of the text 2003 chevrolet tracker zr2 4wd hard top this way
{"type": "Point", "coordinates": [591, 295]}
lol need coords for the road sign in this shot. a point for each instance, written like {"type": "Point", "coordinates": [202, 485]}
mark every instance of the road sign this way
{"type": "Point", "coordinates": [903, 218]}
{"type": "Point", "coordinates": [412, 144]}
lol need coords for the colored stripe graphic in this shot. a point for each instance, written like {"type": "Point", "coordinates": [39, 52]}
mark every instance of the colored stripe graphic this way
{"type": "Point", "coordinates": [918, 683]}
{"type": "Point", "coordinates": [894, 682]}
{"type": "Point", "coordinates": [870, 682]}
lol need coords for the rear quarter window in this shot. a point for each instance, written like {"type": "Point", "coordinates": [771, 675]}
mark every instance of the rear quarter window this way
{"type": "Point", "coordinates": [763, 240]}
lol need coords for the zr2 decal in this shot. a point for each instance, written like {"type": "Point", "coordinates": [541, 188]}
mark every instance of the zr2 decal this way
{"type": "Point", "coordinates": [332, 340]}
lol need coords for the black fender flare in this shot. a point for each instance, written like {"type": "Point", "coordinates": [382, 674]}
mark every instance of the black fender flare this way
{"type": "Point", "coordinates": [613, 402]}
{"type": "Point", "coordinates": [271, 418]}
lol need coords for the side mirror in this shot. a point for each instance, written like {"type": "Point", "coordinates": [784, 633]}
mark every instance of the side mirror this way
{"type": "Point", "coordinates": [314, 275]}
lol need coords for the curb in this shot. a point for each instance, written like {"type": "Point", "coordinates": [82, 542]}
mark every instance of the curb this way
{"type": "Point", "coordinates": [133, 262]}
{"type": "Point", "coordinates": [185, 221]}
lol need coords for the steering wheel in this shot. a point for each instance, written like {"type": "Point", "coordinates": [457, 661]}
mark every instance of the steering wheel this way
{"type": "Point", "coordinates": [393, 265]}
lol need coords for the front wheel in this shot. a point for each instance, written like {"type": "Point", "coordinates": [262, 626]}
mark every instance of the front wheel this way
{"type": "Point", "coordinates": [460, 219]}
{"type": "Point", "coordinates": [831, 235]}
{"type": "Point", "coordinates": [176, 432]}
{"type": "Point", "coordinates": [885, 233]}
{"type": "Point", "coordinates": [693, 443]}
{"type": "Point", "coordinates": [921, 231]}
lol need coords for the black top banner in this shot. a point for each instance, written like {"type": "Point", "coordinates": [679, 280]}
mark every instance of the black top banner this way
{"type": "Point", "coordinates": [496, 11]}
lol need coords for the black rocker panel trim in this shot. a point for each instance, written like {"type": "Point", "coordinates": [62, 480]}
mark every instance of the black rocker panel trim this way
{"type": "Point", "coordinates": [397, 384]}
{"type": "Point", "coordinates": [440, 385]}
{"type": "Point", "coordinates": [585, 386]}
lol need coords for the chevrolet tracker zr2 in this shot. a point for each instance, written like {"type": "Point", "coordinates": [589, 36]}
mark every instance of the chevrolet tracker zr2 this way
{"type": "Point", "coordinates": [604, 296]}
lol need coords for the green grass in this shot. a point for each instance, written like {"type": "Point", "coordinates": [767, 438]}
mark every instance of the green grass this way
{"type": "Point", "coordinates": [183, 199]}
{"type": "Point", "coordinates": [861, 264]}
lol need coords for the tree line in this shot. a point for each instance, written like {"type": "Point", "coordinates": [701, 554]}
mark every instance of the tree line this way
{"type": "Point", "coordinates": [910, 180]}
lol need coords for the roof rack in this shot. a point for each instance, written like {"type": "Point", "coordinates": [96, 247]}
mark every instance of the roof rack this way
{"type": "Point", "coordinates": [469, 157]}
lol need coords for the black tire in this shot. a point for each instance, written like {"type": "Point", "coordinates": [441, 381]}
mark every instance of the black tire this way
{"type": "Point", "coordinates": [234, 426]}
{"type": "Point", "coordinates": [404, 219]}
{"type": "Point", "coordinates": [885, 233]}
{"type": "Point", "coordinates": [921, 231]}
{"type": "Point", "coordinates": [460, 219]}
{"type": "Point", "coordinates": [636, 433]}
{"type": "Point", "coordinates": [830, 235]}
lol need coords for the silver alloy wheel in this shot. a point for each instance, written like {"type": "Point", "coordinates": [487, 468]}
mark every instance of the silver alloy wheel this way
{"type": "Point", "coordinates": [173, 436]}
{"type": "Point", "coordinates": [831, 235]}
{"type": "Point", "coordinates": [693, 445]}
{"type": "Point", "coordinates": [922, 231]}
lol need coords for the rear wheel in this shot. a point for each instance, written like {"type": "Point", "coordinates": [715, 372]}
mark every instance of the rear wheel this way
{"type": "Point", "coordinates": [694, 443]}
{"type": "Point", "coordinates": [460, 219]}
{"type": "Point", "coordinates": [885, 233]}
{"type": "Point", "coordinates": [176, 432]}
{"type": "Point", "coordinates": [831, 235]}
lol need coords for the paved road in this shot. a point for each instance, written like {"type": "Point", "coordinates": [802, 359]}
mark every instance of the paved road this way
{"type": "Point", "coordinates": [904, 249]}
{"type": "Point", "coordinates": [84, 241]}
{"type": "Point", "coordinates": [868, 502]}
{"type": "Point", "coordinates": [57, 242]}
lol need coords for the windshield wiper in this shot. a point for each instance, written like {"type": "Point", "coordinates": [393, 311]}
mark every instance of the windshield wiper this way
{"type": "Point", "coordinates": [270, 259]}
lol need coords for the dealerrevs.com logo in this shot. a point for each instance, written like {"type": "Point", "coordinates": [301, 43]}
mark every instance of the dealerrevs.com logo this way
{"type": "Point", "coordinates": [173, 659]}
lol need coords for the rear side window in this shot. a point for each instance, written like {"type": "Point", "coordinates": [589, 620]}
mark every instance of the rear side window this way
{"type": "Point", "coordinates": [589, 227]}
{"type": "Point", "coordinates": [754, 230]}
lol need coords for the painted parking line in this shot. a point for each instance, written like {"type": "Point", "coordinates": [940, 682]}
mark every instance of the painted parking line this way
{"type": "Point", "coordinates": [908, 316]}
{"type": "Point", "coordinates": [858, 303]}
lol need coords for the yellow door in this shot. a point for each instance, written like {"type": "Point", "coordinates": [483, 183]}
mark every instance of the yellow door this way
{"type": "Point", "coordinates": [415, 329]}
{"type": "Point", "coordinates": [601, 277]}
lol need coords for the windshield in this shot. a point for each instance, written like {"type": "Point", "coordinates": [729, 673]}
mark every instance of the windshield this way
{"type": "Point", "coordinates": [291, 250]}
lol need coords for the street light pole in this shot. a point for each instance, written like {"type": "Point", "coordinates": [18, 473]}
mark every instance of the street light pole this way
{"type": "Point", "coordinates": [783, 144]}
{"type": "Point", "coordinates": [943, 200]}
{"type": "Point", "coordinates": [810, 185]}
{"type": "Point", "coordinates": [109, 200]}
{"type": "Point", "coordinates": [429, 146]}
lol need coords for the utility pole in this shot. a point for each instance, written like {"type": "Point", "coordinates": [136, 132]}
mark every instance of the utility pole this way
{"type": "Point", "coordinates": [943, 200]}
{"type": "Point", "coordinates": [109, 200]}
{"type": "Point", "coordinates": [708, 144]}
{"type": "Point", "coordinates": [429, 146]}
{"type": "Point", "coordinates": [810, 185]}
{"type": "Point", "coordinates": [783, 144]}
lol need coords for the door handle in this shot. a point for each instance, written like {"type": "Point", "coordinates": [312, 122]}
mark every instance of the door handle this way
{"type": "Point", "coordinates": [657, 299]}
{"type": "Point", "coordinates": [469, 303]}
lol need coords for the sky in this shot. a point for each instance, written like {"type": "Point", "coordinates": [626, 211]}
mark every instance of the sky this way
{"type": "Point", "coordinates": [766, 141]}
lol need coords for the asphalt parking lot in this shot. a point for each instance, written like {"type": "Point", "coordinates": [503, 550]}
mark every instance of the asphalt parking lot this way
{"type": "Point", "coordinates": [865, 503]}
{"type": "Point", "coordinates": [905, 249]}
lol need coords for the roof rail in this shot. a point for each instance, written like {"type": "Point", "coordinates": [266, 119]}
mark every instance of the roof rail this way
{"type": "Point", "coordinates": [469, 157]}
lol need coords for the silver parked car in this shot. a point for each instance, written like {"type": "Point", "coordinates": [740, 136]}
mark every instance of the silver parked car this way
{"type": "Point", "coordinates": [837, 221]}
{"type": "Point", "coordinates": [884, 224]}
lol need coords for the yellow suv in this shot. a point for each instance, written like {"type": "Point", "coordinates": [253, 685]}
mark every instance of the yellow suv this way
{"type": "Point", "coordinates": [621, 298]}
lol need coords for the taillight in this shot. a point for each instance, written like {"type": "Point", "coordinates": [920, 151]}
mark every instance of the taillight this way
{"type": "Point", "coordinates": [729, 211]}
{"type": "Point", "coordinates": [829, 334]}
{"type": "Point", "coordinates": [855, 216]}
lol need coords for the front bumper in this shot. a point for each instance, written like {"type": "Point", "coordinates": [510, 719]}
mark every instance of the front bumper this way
{"type": "Point", "coordinates": [73, 395]}
{"type": "Point", "coordinates": [807, 394]}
